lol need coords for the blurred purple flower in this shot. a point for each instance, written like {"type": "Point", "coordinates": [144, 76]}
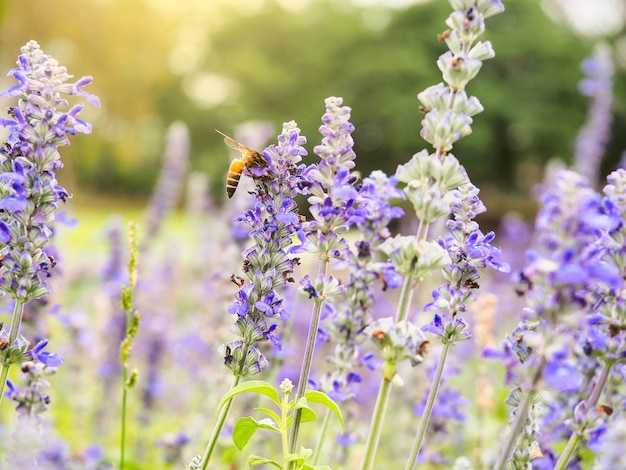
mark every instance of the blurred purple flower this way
{"type": "Point", "coordinates": [170, 183]}
{"type": "Point", "coordinates": [594, 135]}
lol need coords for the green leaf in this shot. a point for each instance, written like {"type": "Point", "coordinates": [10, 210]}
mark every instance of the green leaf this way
{"type": "Point", "coordinates": [267, 423]}
{"type": "Point", "coordinates": [246, 427]}
{"type": "Point", "coordinates": [251, 386]}
{"type": "Point", "coordinates": [300, 457]}
{"type": "Point", "coordinates": [256, 460]}
{"type": "Point", "coordinates": [271, 413]}
{"type": "Point", "coordinates": [316, 467]}
{"type": "Point", "coordinates": [314, 396]}
{"type": "Point", "coordinates": [307, 415]}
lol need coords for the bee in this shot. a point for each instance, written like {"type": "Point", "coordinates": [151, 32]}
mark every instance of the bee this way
{"type": "Point", "coordinates": [249, 159]}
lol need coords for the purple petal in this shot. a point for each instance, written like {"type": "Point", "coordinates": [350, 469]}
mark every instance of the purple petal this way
{"type": "Point", "coordinates": [13, 203]}
{"type": "Point", "coordinates": [562, 377]}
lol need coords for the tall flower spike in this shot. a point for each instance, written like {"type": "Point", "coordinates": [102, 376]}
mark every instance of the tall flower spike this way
{"type": "Point", "coordinates": [594, 135]}
{"type": "Point", "coordinates": [438, 186]}
{"type": "Point", "coordinates": [333, 195]}
{"type": "Point", "coordinates": [29, 192]}
{"type": "Point", "coordinates": [273, 222]}
{"type": "Point", "coordinates": [352, 313]}
{"type": "Point", "coordinates": [171, 178]}
{"type": "Point", "coordinates": [334, 209]}
{"type": "Point", "coordinates": [570, 283]}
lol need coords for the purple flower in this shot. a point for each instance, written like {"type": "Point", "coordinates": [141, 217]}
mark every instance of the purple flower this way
{"type": "Point", "coordinates": [49, 359]}
{"type": "Point", "coordinates": [573, 288]}
{"type": "Point", "coordinates": [562, 377]}
{"type": "Point", "coordinates": [30, 396]}
{"type": "Point", "coordinates": [469, 251]}
{"type": "Point", "coordinates": [28, 163]}
{"type": "Point", "coordinates": [594, 135]}
{"type": "Point", "coordinates": [273, 222]}
{"type": "Point", "coordinates": [334, 199]}
{"type": "Point", "coordinates": [352, 312]}
{"type": "Point", "coordinates": [171, 178]}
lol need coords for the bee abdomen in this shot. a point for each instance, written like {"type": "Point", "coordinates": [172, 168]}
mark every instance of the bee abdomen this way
{"type": "Point", "coordinates": [233, 177]}
{"type": "Point", "coordinates": [231, 183]}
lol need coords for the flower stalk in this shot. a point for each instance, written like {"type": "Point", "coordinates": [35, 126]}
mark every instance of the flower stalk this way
{"type": "Point", "coordinates": [16, 321]}
{"type": "Point", "coordinates": [130, 377]}
{"type": "Point", "coordinates": [273, 221]}
{"type": "Point", "coordinates": [577, 437]}
{"type": "Point", "coordinates": [217, 429]}
{"type": "Point", "coordinates": [378, 417]}
{"type": "Point", "coordinates": [307, 358]}
{"type": "Point", "coordinates": [333, 200]}
{"type": "Point", "coordinates": [411, 463]}
{"type": "Point", "coordinates": [29, 192]}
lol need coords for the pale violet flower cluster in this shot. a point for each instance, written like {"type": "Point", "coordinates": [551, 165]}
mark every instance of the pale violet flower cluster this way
{"type": "Point", "coordinates": [333, 197]}
{"type": "Point", "coordinates": [346, 321]}
{"type": "Point", "coordinates": [594, 135]}
{"type": "Point", "coordinates": [38, 124]}
{"type": "Point", "coordinates": [437, 186]}
{"type": "Point", "coordinates": [29, 193]}
{"type": "Point", "coordinates": [273, 221]}
{"type": "Point", "coordinates": [571, 334]}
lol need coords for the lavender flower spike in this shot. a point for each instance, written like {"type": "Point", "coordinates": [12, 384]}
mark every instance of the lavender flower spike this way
{"type": "Point", "coordinates": [333, 195]}
{"type": "Point", "coordinates": [273, 222]}
{"type": "Point", "coordinates": [171, 178]}
{"type": "Point", "coordinates": [334, 207]}
{"type": "Point", "coordinates": [594, 135]}
{"type": "Point", "coordinates": [29, 192]}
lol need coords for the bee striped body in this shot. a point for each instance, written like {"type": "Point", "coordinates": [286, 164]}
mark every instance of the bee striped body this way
{"type": "Point", "coordinates": [249, 159]}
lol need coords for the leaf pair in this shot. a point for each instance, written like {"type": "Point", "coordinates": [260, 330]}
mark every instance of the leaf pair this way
{"type": "Point", "coordinates": [278, 422]}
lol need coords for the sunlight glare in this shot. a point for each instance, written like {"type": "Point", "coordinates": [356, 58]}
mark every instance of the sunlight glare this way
{"type": "Point", "coordinates": [191, 45]}
{"type": "Point", "coordinates": [209, 89]}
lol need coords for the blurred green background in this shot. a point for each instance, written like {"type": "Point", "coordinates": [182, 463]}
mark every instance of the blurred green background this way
{"type": "Point", "coordinates": [214, 64]}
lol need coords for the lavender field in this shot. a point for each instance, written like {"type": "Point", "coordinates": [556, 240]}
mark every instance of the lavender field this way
{"type": "Point", "coordinates": [323, 316]}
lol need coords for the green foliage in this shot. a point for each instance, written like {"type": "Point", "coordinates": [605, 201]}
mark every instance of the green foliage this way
{"type": "Point", "coordinates": [247, 426]}
{"type": "Point", "coordinates": [279, 423]}
{"type": "Point", "coordinates": [252, 386]}
{"type": "Point", "coordinates": [314, 396]}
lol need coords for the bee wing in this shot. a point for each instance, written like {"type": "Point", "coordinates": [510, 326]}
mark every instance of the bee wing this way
{"type": "Point", "coordinates": [233, 144]}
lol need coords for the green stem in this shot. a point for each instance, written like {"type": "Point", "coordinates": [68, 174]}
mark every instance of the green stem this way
{"type": "Point", "coordinates": [217, 430]}
{"type": "Point", "coordinates": [3, 379]}
{"type": "Point", "coordinates": [406, 296]}
{"type": "Point", "coordinates": [373, 436]}
{"type": "Point", "coordinates": [430, 402]}
{"type": "Point", "coordinates": [576, 437]}
{"type": "Point", "coordinates": [321, 438]}
{"type": "Point", "coordinates": [599, 386]}
{"type": "Point", "coordinates": [307, 360]}
{"type": "Point", "coordinates": [380, 409]}
{"type": "Point", "coordinates": [520, 418]}
{"type": "Point", "coordinates": [123, 433]}
{"type": "Point", "coordinates": [285, 429]}
{"type": "Point", "coordinates": [16, 322]}
{"type": "Point", "coordinates": [569, 450]}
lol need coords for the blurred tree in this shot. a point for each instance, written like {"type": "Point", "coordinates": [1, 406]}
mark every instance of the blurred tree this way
{"type": "Point", "coordinates": [214, 64]}
{"type": "Point", "coordinates": [284, 63]}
